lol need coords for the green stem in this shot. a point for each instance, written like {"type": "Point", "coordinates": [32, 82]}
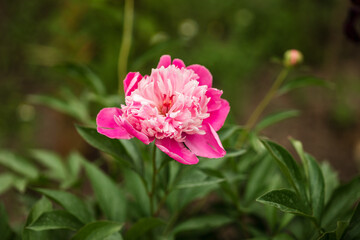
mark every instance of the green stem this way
{"type": "Point", "coordinates": [126, 42]}
{"type": "Point", "coordinates": [152, 193]}
{"type": "Point", "coordinates": [262, 105]}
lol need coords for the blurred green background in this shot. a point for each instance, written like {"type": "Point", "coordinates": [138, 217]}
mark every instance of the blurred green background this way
{"type": "Point", "coordinates": [236, 40]}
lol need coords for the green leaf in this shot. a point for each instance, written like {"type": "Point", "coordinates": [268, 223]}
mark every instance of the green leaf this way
{"type": "Point", "coordinates": [135, 185]}
{"type": "Point", "coordinates": [141, 227]}
{"type": "Point", "coordinates": [204, 223]}
{"type": "Point", "coordinates": [275, 118]}
{"type": "Point", "coordinates": [131, 150]}
{"type": "Point", "coordinates": [353, 230]}
{"type": "Point", "coordinates": [58, 219]}
{"type": "Point", "coordinates": [288, 167]}
{"type": "Point", "coordinates": [227, 131]}
{"type": "Point", "coordinates": [97, 230]}
{"type": "Point", "coordinates": [234, 153]}
{"type": "Point", "coordinates": [303, 82]}
{"type": "Point", "coordinates": [5, 229]}
{"type": "Point", "coordinates": [286, 201]}
{"type": "Point", "coordinates": [340, 203]}
{"type": "Point", "coordinates": [74, 166]}
{"type": "Point", "coordinates": [199, 184]}
{"type": "Point", "coordinates": [336, 234]}
{"type": "Point", "coordinates": [18, 164]}
{"type": "Point", "coordinates": [6, 182]}
{"type": "Point", "coordinates": [53, 162]}
{"type": "Point", "coordinates": [105, 144]}
{"type": "Point", "coordinates": [70, 203]}
{"type": "Point", "coordinates": [111, 199]}
{"type": "Point", "coordinates": [255, 184]}
{"type": "Point", "coordinates": [40, 207]}
{"type": "Point", "coordinates": [51, 102]}
{"type": "Point", "coordinates": [315, 180]}
{"type": "Point", "coordinates": [84, 74]}
{"type": "Point", "coordinates": [328, 236]}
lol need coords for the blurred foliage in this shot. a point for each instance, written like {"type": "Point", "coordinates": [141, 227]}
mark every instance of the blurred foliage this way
{"type": "Point", "coordinates": [234, 39]}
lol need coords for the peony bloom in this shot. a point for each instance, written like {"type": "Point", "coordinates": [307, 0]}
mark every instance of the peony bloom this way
{"type": "Point", "coordinates": [176, 106]}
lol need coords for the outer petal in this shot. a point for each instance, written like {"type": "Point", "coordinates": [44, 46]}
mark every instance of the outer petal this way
{"type": "Point", "coordinates": [218, 117]}
{"type": "Point", "coordinates": [215, 100]}
{"type": "Point", "coordinates": [208, 145]}
{"type": "Point", "coordinates": [165, 61]}
{"type": "Point", "coordinates": [107, 126]}
{"type": "Point", "coordinates": [179, 63]}
{"type": "Point", "coordinates": [131, 82]}
{"type": "Point", "coordinates": [176, 150]}
{"type": "Point", "coordinates": [141, 136]}
{"type": "Point", "coordinates": [205, 77]}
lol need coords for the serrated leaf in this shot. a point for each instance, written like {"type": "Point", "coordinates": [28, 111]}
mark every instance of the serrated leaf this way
{"type": "Point", "coordinates": [58, 219]}
{"type": "Point", "coordinates": [303, 82]}
{"type": "Point", "coordinates": [340, 203]}
{"type": "Point", "coordinates": [141, 227]}
{"type": "Point", "coordinates": [209, 223]}
{"type": "Point", "coordinates": [275, 118]}
{"type": "Point", "coordinates": [70, 203]}
{"type": "Point", "coordinates": [288, 167]}
{"type": "Point", "coordinates": [105, 144]}
{"type": "Point", "coordinates": [18, 164]}
{"type": "Point", "coordinates": [285, 200]}
{"type": "Point", "coordinates": [97, 230]}
{"type": "Point", "coordinates": [111, 199]}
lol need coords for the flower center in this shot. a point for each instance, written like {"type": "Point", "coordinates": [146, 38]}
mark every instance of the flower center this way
{"type": "Point", "coordinates": [166, 105]}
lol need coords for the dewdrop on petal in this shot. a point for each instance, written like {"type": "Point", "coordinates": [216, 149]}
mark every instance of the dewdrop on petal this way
{"type": "Point", "coordinates": [292, 58]}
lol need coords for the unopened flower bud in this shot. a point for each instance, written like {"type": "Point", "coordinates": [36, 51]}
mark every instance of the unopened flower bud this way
{"type": "Point", "coordinates": [292, 58]}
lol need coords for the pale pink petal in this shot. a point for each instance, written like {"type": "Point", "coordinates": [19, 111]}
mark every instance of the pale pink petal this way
{"type": "Point", "coordinates": [131, 82]}
{"type": "Point", "coordinates": [218, 117]}
{"type": "Point", "coordinates": [178, 63]}
{"type": "Point", "coordinates": [165, 61]}
{"type": "Point", "coordinates": [208, 145]}
{"type": "Point", "coordinates": [176, 150]}
{"type": "Point", "coordinates": [215, 100]}
{"type": "Point", "coordinates": [205, 77]}
{"type": "Point", "coordinates": [139, 135]}
{"type": "Point", "coordinates": [107, 126]}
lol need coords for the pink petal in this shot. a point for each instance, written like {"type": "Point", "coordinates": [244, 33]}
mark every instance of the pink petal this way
{"type": "Point", "coordinates": [208, 145]}
{"type": "Point", "coordinates": [215, 100]}
{"type": "Point", "coordinates": [165, 61]}
{"type": "Point", "coordinates": [205, 77]}
{"type": "Point", "coordinates": [107, 126]}
{"type": "Point", "coordinates": [178, 63]}
{"type": "Point", "coordinates": [141, 136]}
{"type": "Point", "coordinates": [176, 150]}
{"type": "Point", "coordinates": [131, 82]}
{"type": "Point", "coordinates": [218, 117]}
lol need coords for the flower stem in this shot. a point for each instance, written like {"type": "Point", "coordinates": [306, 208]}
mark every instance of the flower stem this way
{"type": "Point", "coordinates": [126, 42]}
{"type": "Point", "coordinates": [262, 105]}
{"type": "Point", "coordinates": [152, 193]}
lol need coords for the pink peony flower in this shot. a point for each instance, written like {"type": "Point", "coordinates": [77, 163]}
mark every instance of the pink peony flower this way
{"type": "Point", "coordinates": [176, 106]}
